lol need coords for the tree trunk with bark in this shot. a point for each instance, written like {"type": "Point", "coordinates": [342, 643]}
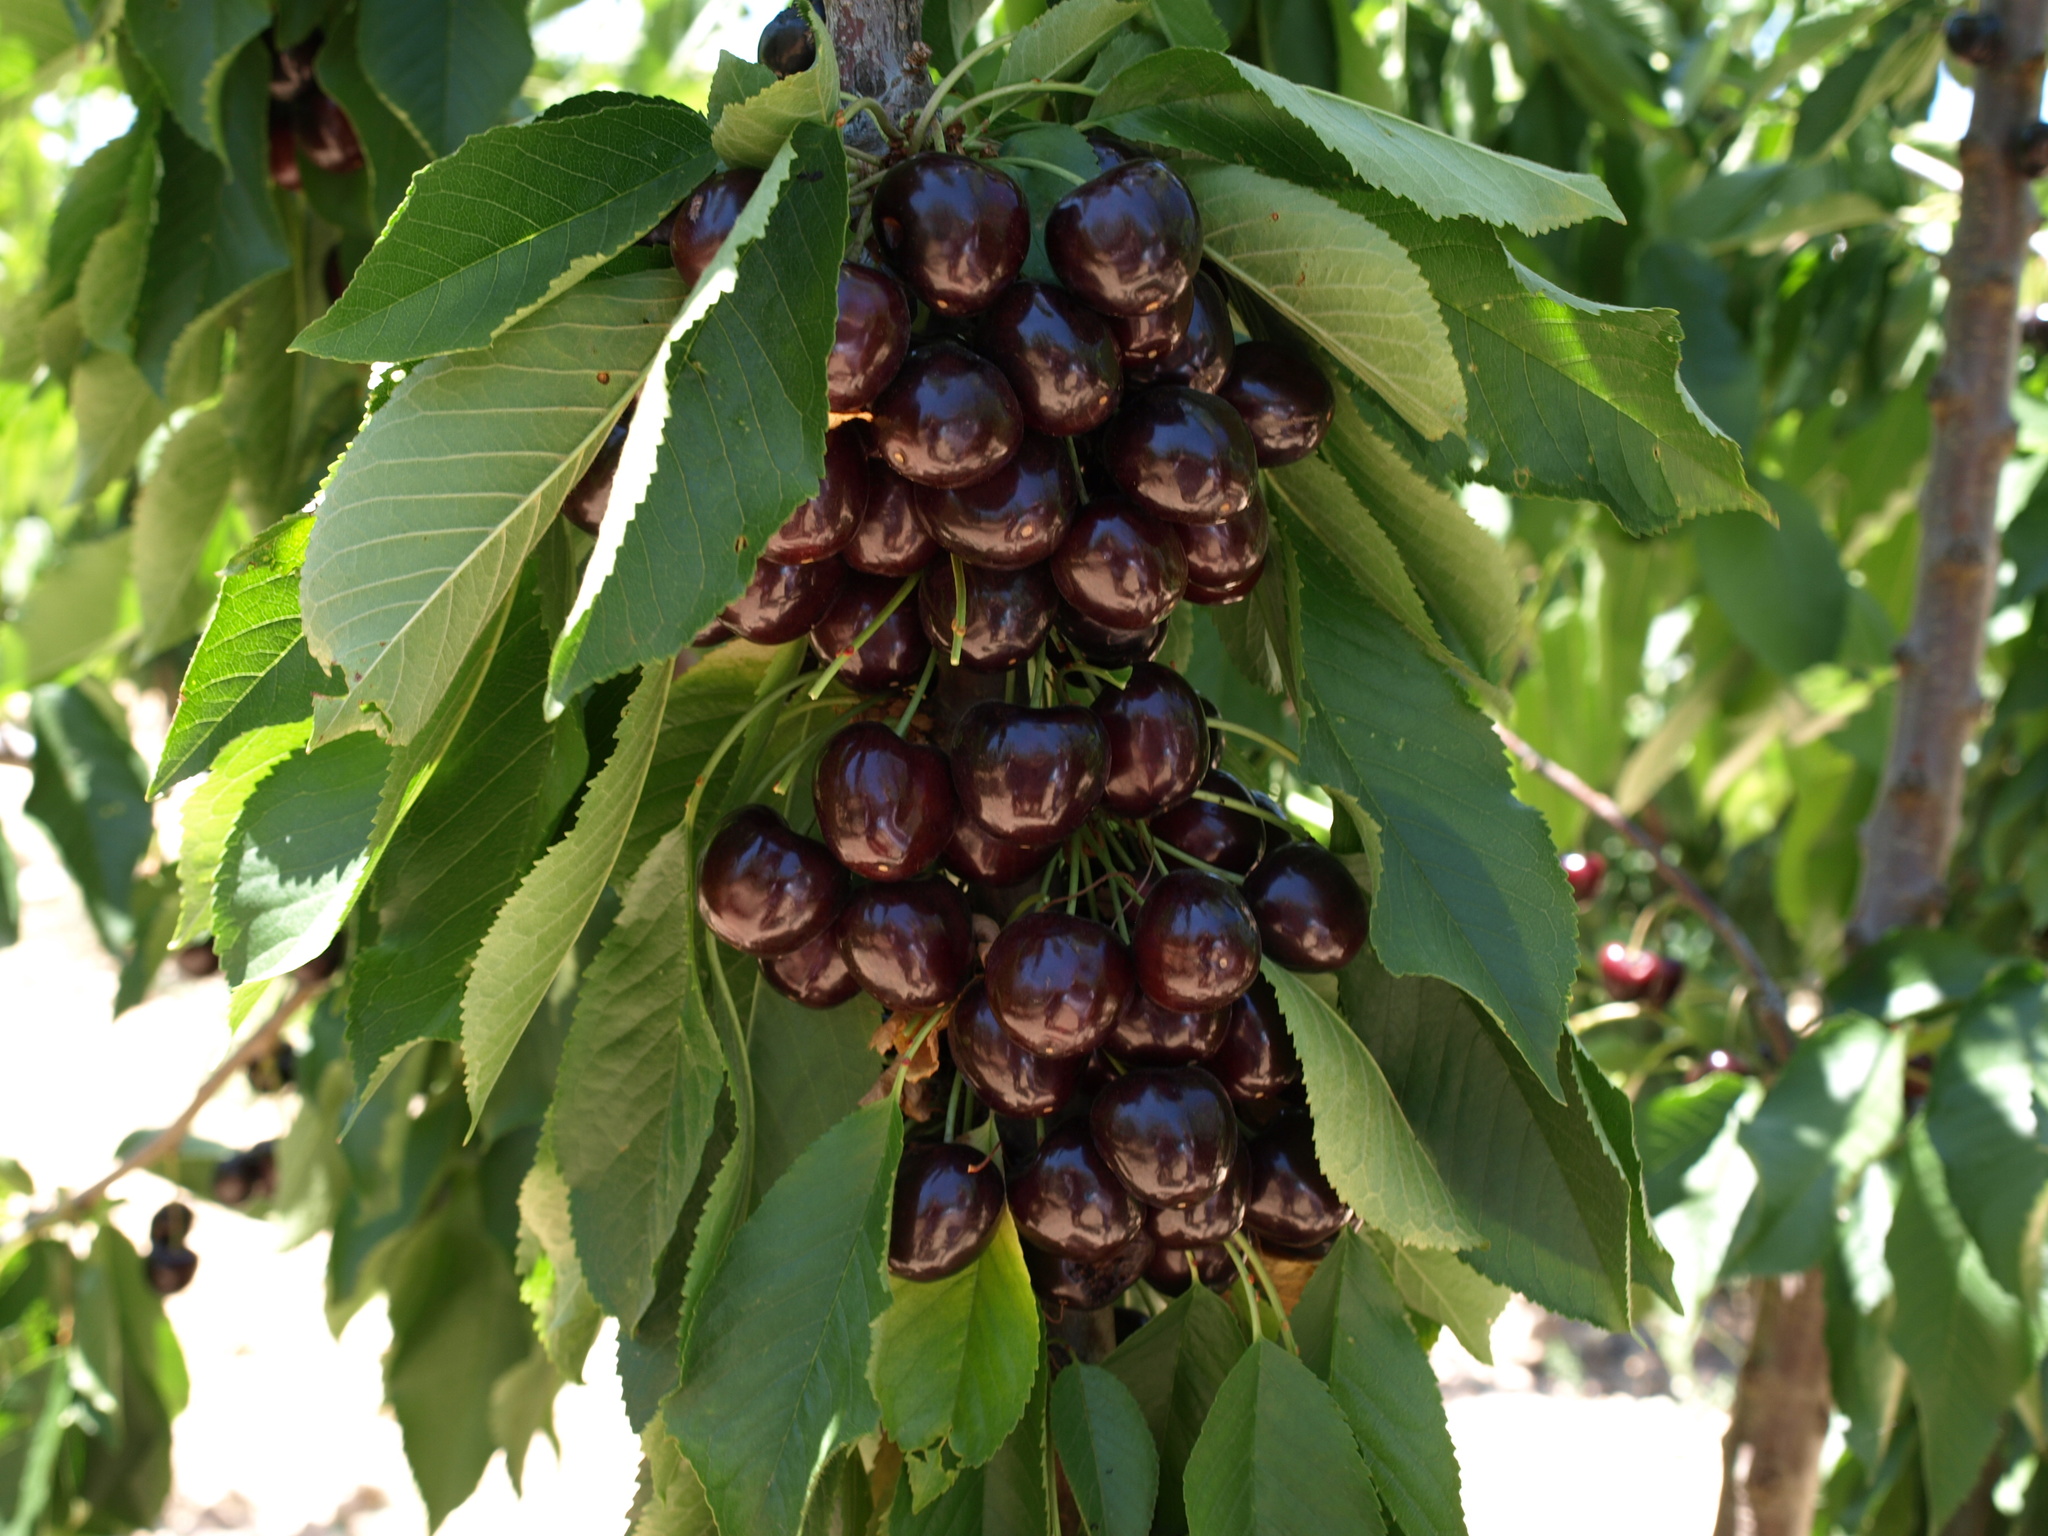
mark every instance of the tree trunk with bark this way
{"type": "Point", "coordinates": [1770, 1457]}
{"type": "Point", "coordinates": [881, 54]}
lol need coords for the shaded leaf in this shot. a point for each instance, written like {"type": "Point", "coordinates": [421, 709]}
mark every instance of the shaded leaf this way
{"type": "Point", "coordinates": [391, 150]}
{"type": "Point", "coordinates": [449, 68]}
{"type": "Point", "coordinates": [1106, 1451]}
{"type": "Point", "coordinates": [187, 46]}
{"type": "Point", "coordinates": [1697, 1179]}
{"type": "Point", "coordinates": [1173, 1367]}
{"type": "Point", "coordinates": [1060, 42]}
{"type": "Point", "coordinates": [83, 603]}
{"type": "Point", "coordinates": [213, 808]}
{"type": "Point", "coordinates": [86, 792]}
{"type": "Point", "coordinates": [174, 516]}
{"type": "Point", "coordinates": [1442, 1286]}
{"type": "Point", "coordinates": [1782, 589]}
{"type": "Point", "coordinates": [115, 411]}
{"type": "Point", "coordinates": [810, 1070]}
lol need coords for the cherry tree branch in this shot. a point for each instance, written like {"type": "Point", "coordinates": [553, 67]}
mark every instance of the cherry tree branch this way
{"type": "Point", "coordinates": [1766, 998]}
{"type": "Point", "coordinates": [882, 55]}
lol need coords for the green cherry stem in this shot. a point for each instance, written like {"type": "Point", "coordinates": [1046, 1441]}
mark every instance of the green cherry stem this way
{"type": "Point", "coordinates": [1258, 1265]}
{"type": "Point", "coordinates": [953, 1104]}
{"type": "Point", "coordinates": [1024, 88]}
{"type": "Point", "coordinates": [1072, 179]}
{"type": "Point", "coordinates": [774, 697]}
{"type": "Point", "coordinates": [923, 125]}
{"type": "Point", "coordinates": [1251, 1294]}
{"type": "Point", "coordinates": [1190, 860]}
{"type": "Point", "coordinates": [959, 606]}
{"type": "Point", "coordinates": [917, 1044]}
{"type": "Point", "coordinates": [849, 652]}
{"type": "Point", "coordinates": [1278, 750]}
{"type": "Point", "coordinates": [1245, 806]}
{"type": "Point", "coordinates": [853, 106]}
{"type": "Point", "coordinates": [924, 681]}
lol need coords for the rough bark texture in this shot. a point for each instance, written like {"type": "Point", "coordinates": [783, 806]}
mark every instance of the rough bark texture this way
{"type": "Point", "coordinates": [881, 52]}
{"type": "Point", "coordinates": [1770, 1458]}
{"type": "Point", "coordinates": [1912, 829]}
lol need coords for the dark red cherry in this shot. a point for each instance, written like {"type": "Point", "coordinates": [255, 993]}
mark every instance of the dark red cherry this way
{"type": "Point", "coordinates": [1146, 1032]}
{"type": "Point", "coordinates": [1144, 341]}
{"type": "Point", "coordinates": [885, 805]}
{"type": "Point", "coordinates": [764, 889]}
{"type": "Point", "coordinates": [782, 601]}
{"type": "Point", "coordinates": [1030, 776]}
{"type": "Point", "coordinates": [1312, 915]}
{"type": "Point", "coordinates": [977, 854]}
{"type": "Point", "coordinates": [1111, 151]}
{"type": "Point", "coordinates": [891, 539]}
{"type": "Point", "coordinates": [1181, 455]}
{"type": "Point", "coordinates": [171, 1225]}
{"type": "Point", "coordinates": [1256, 1061]}
{"type": "Point", "coordinates": [787, 46]}
{"type": "Point", "coordinates": [1224, 554]}
{"type": "Point", "coordinates": [825, 524]}
{"type": "Point", "coordinates": [1289, 1200]}
{"type": "Point", "coordinates": [1008, 613]}
{"type": "Point", "coordinates": [872, 338]}
{"type": "Point", "coordinates": [1120, 567]}
{"type": "Point", "coordinates": [894, 654]}
{"type": "Point", "coordinates": [698, 228]}
{"type": "Point", "coordinates": [1057, 982]}
{"type": "Point", "coordinates": [1172, 1271]}
{"type": "Point", "coordinates": [1196, 944]}
{"type": "Point", "coordinates": [1058, 355]}
{"type": "Point", "coordinates": [1211, 1219]}
{"type": "Point", "coordinates": [291, 69]}
{"type": "Point", "coordinates": [949, 417]}
{"type": "Point", "coordinates": [1127, 242]}
{"type": "Point", "coordinates": [1584, 872]}
{"type": "Point", "coordinates": [1202, 356]}
{"type": "Point", "coordinates": [1158, 740]}
{"type": "Point", "coordinates": [1640, 975]}
{"type": "Point", "coordinates": [1089, 1285]}
{"type": "Point", "coordinates": [284, 150]}
{"type": "Point", "coordinates": [1284, 399]}
{"type": "Point", "coordinates": [956, 229]}
{"type": "Point", "coordinates": [1105, 645]}
{"type": "Point", "coordinates": [1168, 1132]}
{"type": "Point", "coordinates": [949, 1197]}
{"type": "Point", "coordinates": [1216, 834]}
{"type": "Point", "coordinates": [1012, 518]}
{"type": "Point", "coordinates": [1067, 1200]}
{"type": "Point", "coordinates": [1007, 1078]}
{"type": "Point", "coordinates": [170, 1268]}
{"type": "Point", "coordinates": [244, 1176]}
{"type": "Point", "coordinates": [911, 943]}
{"type": "Point", "coordinates": [815, 975]}
{"type": "Point", "coordinates": [326, 137]}
{"type": "Point", "coordinates": [1218, 597]}
{"type": "Point", "coordinates": [587, 499]}
{"type": "Point", "coordinates": [717, 632]}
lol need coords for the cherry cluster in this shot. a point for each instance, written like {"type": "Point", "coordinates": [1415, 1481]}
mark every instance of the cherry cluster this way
{"type": "Point", "coordinates": [305, 120]}
{"type": "Point", "coordinates": [170, 1265]}
{"type": "Point", "coordinates": [1630, 974]}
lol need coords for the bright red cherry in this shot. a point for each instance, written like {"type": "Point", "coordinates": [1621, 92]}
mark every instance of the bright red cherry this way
{"type": "Point", "coordinates": [824, 525]}
{"type": "Point", "coordinates": [764, 889]}
{"type": "Point", "coordinates": [1030, 776]}
{"type": "Point", "coordinates": [1058, 355]}
{"type": "Point", "coordinates": [1173, 1271]}
{"type": "Point", "coordinates": [1209, 1220]}
{"type": "Point", "coordinates": [1202, 356]}
{"type": "Point", "coordinates": [1284, 399]}
{"type": "Point", "coordinates": [1216, 834]}
{"type": "Point", "coordinates": [786, 45]}
{"type": "Point", "coordinates": [1225, 554]}
{"type": "Point", "coordinates": [1290, 1201]}
{"type": "Point", "coordinates": [1145, 1032]}
{"type": "Point", "coordinates": [1196, 943]}
{"type": "Point", "coordinates": [911, 943]}
{"type": "Point", "coordinates": [894, 654]}
{"type": "Point", "coordinates": [1006, 1077]}
{"type": "Point", "coordinates": [698, 229]}
{"type": "Point", "coordinates": [1127, 242]}
{"type": "Point", "coordinates": [948, 418]}
{"type": "Point", "coordinates": [1584, 872]}
{"type": "Point", "coordinates": [956, 229]}
{"type": "Point", "coordinates": [815, 975]}
{"type": "Point", "coordinates": [1067, 1200]}
{"type": "Point", "coordinates": [1182, 455]}
{"type": "Point", "coordinates": [1256, 1061]}
{"type": "Point", "coordinates": [1169, 1133]}
{"type": "Point", "coordinates": [1158, 740]}
{"type": "Point", "coordinates": [1008, 613]}
{"type": "Point", "coordinates": [1013, 518]}
{"type": "Point", "coordinates": [871, 340]}
{"type": "Point", "coordinates": [1120, 567]}
{"type": "Point", "coordinates": [1640, 975]}
{"type": "Point", "coordinates": [1057, 982]}
{"type": "Point", "coordinates": [891, 539]}
{"type": "Point", "coordinates": [1312, 915]}
{"type": "Point", "coordinates": [948, 1200]}
{"type": "Point", "coordinates": [1089, 1285]}
{"type": "Point", "coordinates": [783, 601]}
{"type": "Point", "coordinates": [885, 805]}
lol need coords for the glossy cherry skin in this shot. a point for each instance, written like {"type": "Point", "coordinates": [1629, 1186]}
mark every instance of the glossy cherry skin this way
{"type": "Point", "coordinates": [782, 601]}
{"type": "Point", "coordinates": [1144, 341]}
{"type": "Point", "coordinates": [1158, 740]}
{"type": "Point", "coordinates": [1067, 1200]}
{"type": "Point", "coordinates": [977, 854]}
{"type": "Point", "coordinates": [891, 539]}
{"type": "Point", "coordinates": [1216, 834]}
{"type": "Point", "coordinates": [1120, 567]}
{"type": "Point", "coordinates": [1007, 1078]}
{"type": "Point", "coordinates": [1218, 597]}
{"type": "Point", "coordinates": [1057, 982]}
{"type": "Point", "coordinates": [1058, 355]}
{"type": "Point", "coordinates": [1284, 399]}
{"type": "Point", "coordinates": [1196, 944]}
{"type": "Point", "coordinates": [1173, 1271]}
{"type": "Point", "coordinates": [587, 499]}
{"type": "Point", "coordinates": [816, 975]}
{"type": "Point", "coordinates": [1147, 1033]}
{"type": "Point", "coordinates": [894, 654]}
{"type": "Point", "coordinates": [956, 229]}
{"type": "Point", "coordinates": [1584, 872]}
{"type": "Point", "coordinates": [1105, 645]}
{"type": "Point", "coordinates": [1182, 455]}
{"type": "Point", "coordinates": [1127, 242]}
{"type": "Point", "coordinates": [911, 943]}
{"type": "Point", "coordinates": [1312, 915]}
{"type": "Point", "coordinates": [764, 889]}
{"type": "Point", "coordinates": [698, 228]}
{"type": "Point", "coordinates": [824, 525]}
{"type": "Point", "coordinates": [948, 418]}
{"type": "Point", "coordinates": [1289, 1200]}
{"type": "Point", "coordinates": [1211, 1219]}
{"type": "Point", "coordinates": [1168, 1132]}
{"type": "Point", "coordinates": [1030, 776]}
{"type": "Point", "coordinates": [871, 340]}
{"type": "Point", "coordinates": [1640, 975]}
{"type": "Point", "coordinates": [1224, 554]}
{"type": "Point", "coordinates": [170, 1268]}
{"type": "Point", "coordinates": [1008, 613]}
{"type": "Point", "coordinates": [948, 1200]}
{"type": "Point", "coordinates": [1111, 150]}
{"type": "Point", "coordinates": [786, 45]}
{"type": "Point", "coordinates": [1012, 518]}
{"type": "Point", "coordinates": [885, 805]}
{"type": "Point", "coordinates": [1256, 1061]}
{"type": "Point", "coordinates": [1089, 1285]}
{"type": "Point", "coordinates": [1202, 356]}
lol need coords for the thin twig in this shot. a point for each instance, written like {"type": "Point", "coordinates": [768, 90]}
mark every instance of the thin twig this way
{"type": "Point", "coordinates": [1769, 1001]}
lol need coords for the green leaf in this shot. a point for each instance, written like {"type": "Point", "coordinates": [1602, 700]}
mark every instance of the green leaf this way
{"type": "Point", "coordinates": [1534, 1175]}
{"type": "Point", "coordinates": [81, 605]}
{"type": "Point", "coordinates": [535, 929]}
{"type": "Point", "coordinates": [414, 550]}
{"type": "Point", "coordinates": [449, 68]}
{"type": "Point", "coordinates": [1275, 1457]}
{"type": "Point", "coordinates": [1059, 43]}
{"type": "Point", "coordinates": [115, 411]}
{"type": "Point", "coordinates": [1961, 1334]}
{"type": "Point", "coordinates": [1832, 1112]}
{"type": "Point", "coordinates": [954, 1359]}
{"type": "Point", "coordinates": [10, 905]}
{"type": "Point", "coordinates": [1173, 1367]}
{"type": "Point", "coordinates": [753, 132]}
{"type": "Point", "coordinates": [391, 151]}
{"type": "Point", "coordinates": [251, 668]}
{"type": "Point", "coordinates": [775, 1374]}
{"type": "Point", "coordinates": [1363, 1142]}
{"type": "Point", "coordinates": [174, 516]}
{"type": "Point", "coordinates": [747, 373]}
{"type": "Point", "coordinates": [565, 1315]}
{"type": "Point", "coordinates": [508, 221]}
{"type": "Point", "coordinates": [213, 808]}
{"type": "Point", "coordinates": [110, 282]}
{"type": "Point", "coordinates": [675, 1504]}
{"type": "Point", "coordinates": [96, 197]}
{"type": "Point", "coordinates": [735, 79]}
{"type": "Point", "coordinates": [1697, 1178]}
{"type": "Point", "coordinates": [86, 793]}
{"type": "Point", "coordinates": [1442, 1286]}
{"type": "Point", "coordinates": [187, 46]}
{"type": "Point", "coordinates": [1783, 589]}
{"type": "Point", "coordinates": [1012, 1496]}
{"type": "Point", "coordinates": [1189, 24]}
{"type": "Point", "coordinates": [1354, 1333]}
{"type": "Point", "coordinates": [1614, 1118]}
{"type": "Point", "coordinates": [1469, 887]}
{"type": "Point", "coordinates": [1337, 277]}
{"type": "Point", "coordinates": [1106, 1451]}
{"type": "Point", "coordinates": [810, 1068]}
{"type": "Point", "coordinates": [1230, 110]}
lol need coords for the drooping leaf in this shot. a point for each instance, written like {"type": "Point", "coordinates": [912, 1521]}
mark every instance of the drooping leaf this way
{"type": "Point", "coordinates": [173, 517]}
{"type": "Point", "coordinates": [415, 550]}
{"type": "Point", "coordinates": [1782, 589]}
{"type": "Point", "coordinates": [1059, 43]}
{"type": "Point", "coordinates": [187, 46]}
{"type": "Point", "coordinates": [87, 794]}
{"type": "Point", "coordinates": [810, 1070]}
{"type": "Point", "coordinates": [1442, 1286]}
{"type": "Point", "coordinates": [1613, 1119]}
{"type": "Point", "coordinates": [1697, 1179]}
{"type": "Point", "coordinates": [213, 808]}
{"type": "Point", "coordinates": [1012, 1496]}
{"type": "Point", "coordinates": [1106, 1451]}
{"type": "Point", "coordinates": [449, 68]}
{"type": "Point", "coordinates": [83, 602]}
{"type": "Point", "coordinates": [1173, 1367]}
{"type": "Point", "coordinates": [391, 150]}
{"type": "Point", "coordinates": [115, 411]}
{"type": "Point", "coordinates": [775, 1374]}
{"type": "Point", "coordinates": [565, 1315]}
{"type": "Point", "coordinates": [753, 131]}
{"type": "Point", "coordinates": [674, 1503]}
{"type": "Point", "coordinates": [95, 198]}
{"type": "Point", "coordinates": [508, 221]}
